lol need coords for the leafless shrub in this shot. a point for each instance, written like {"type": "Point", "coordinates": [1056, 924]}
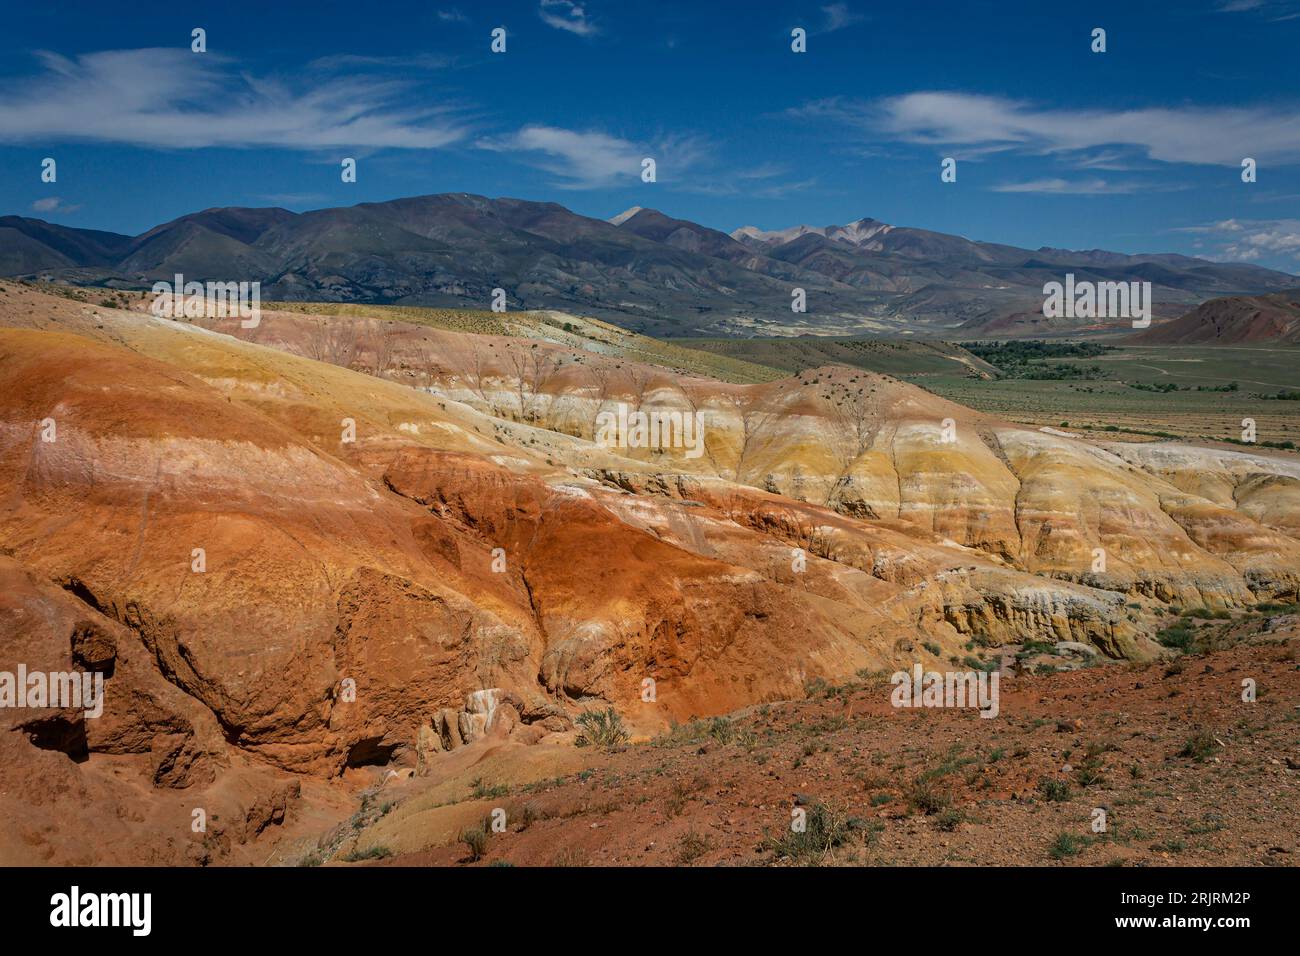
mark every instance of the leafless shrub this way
{"type": "Point", "coordinates": [334, 342]}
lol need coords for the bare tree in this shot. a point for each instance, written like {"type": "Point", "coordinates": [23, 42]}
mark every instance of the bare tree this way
{"type": "Point", "coordinates": [474, 371]}
{"type": "Point", "coordinates": [753, 422]}
{"type": "Point", "coordinates": [601, 374]}
{"type": "Point", "coordinates": [385, 349]}
{"type": "Point", "coordinates": [852, 415]}
{"type": "Point", "coordinates": [693, 401]}
{"type": "Point", "coordinates": [333, 342]}
{"type": "Point", "coordinates": [315, 344]}
{"type": "Point", "coordinates": [427, 364]}
{"type": "Point", "coordinates": [640, 380]}
{"type": "Point", "coordinates": [533, 369]}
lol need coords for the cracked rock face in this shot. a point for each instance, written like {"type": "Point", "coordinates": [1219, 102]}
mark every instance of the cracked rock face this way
{"type": "Point", "coordinates": [290, 570]}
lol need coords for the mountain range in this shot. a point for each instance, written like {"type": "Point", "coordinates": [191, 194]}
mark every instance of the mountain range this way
{"type": "Point", "coordinates": [641, 269]}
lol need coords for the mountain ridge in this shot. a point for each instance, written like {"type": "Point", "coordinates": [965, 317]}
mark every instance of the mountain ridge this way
{"type": "Point", "coordinates": [643, 269]}
{"type": "Point", "coordinates": [1232, 320]}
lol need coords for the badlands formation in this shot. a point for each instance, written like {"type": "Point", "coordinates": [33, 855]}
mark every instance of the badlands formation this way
{"type": "Point", "coordinates": [309, 553]}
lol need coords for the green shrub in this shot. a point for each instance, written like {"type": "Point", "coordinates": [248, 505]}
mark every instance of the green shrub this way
{"type": "Point", "coordinates": [1178, 636]}
{"type": "Point", "coordinates": [816, 688]}
{"type": "Point", "coordinates": [374, 853]}
{"type": "Point", "coordinates": [950, 819]}
{"type": "Point", "coordinates": [1053, 791]}
{"type": "Point", "coordinates": [925, 796]}
{"type": "Point", "coordinates": [1199, 746]}
{"type": "Point", "coordinates": [1090, 773]}
{"type": "Point", "coordinates": [602, 728]}
{"type": "Point", "coordinates": [483, 791]}
{"type": "Point", "coordinates": [1066, 845]}
{"type": "Point", "coordinates": [476, 838]}
{"type": "Point", "coordinates": [1205, 614]}
{"type": "Point", "coordinates": [824, 830]}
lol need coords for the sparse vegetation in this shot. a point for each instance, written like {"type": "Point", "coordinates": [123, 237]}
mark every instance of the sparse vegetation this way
{"type": "Point", "coordinates": [1066, 845]}
{"type": "Point", "coordinates": [1090, 773]}
{"type": "Point", "coordinates": [925, 796]}
{"type": "Point", "coordinates": [601, 728]}
{"type": "Point", "coordinates": [824, 830]}
{"type": "Point", "coordinates": [950, 819]}
{"type": "Point", "coordinates": [371, 853]}
{"type": "Point", "coordinates": [692, 847]}
{"type": "Point", "coordinates": [1200, 746]}
{"type": "Point", "coordinates": [1177, 636]}
{"type": "Point", "coordinates": [483, 791]}
{"type": "Point", "coordinates": [476, 838]}
{"type": "Point", "coordinates": [1054, 791]}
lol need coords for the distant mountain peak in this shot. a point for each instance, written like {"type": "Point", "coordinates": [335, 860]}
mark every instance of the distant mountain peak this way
{"type": "Point", "coordinates": [624, 216]}
{"type": "Point", "coordinates": [855, 233]}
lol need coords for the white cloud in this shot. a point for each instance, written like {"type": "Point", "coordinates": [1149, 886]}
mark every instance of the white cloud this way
{"type": "Point", "coordinates": [838, 16]}
{"type": "Point", "coordinates": [1251, 239]}
{"type": "Point", "coordinates": [1191, 134]}
{"type": "Point", "coordinates": [566, 15]}
{"type": "Point", "coordinates": [595, 160]}
{"type": "Point", "coordinates": [1110, 160]}
{"type": "Point", "coordinates": [53, 204]}
{"type": "Point", "coordinates": [174, 99]}
{"type": "Point", "coordinates": [1274, 11]}
{"type": "Point", "coordinates": [1067, 187]}
{"type": "Point", "coordinates": [583, 160]}
{"type": "Point", "coordinates": [452, 16]}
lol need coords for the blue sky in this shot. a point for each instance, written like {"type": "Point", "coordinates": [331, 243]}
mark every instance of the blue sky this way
{"type": "Point", "coordinates": [1135, 149]}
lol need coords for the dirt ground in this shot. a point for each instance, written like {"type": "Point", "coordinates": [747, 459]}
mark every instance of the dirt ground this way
{"type": "Point", "coordinates": [1185, 770]}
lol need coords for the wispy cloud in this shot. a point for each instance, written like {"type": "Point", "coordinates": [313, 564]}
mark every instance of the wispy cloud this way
{"type": "Point", "coordinates": [53, 204]}
{"type": "Point", "coordinates": [1068, 187]}
{"type": "Point", "coordinates": [452, 16]}
{"type": "Point", "coordinates": [352, 61]}
{"type": "Point", "coordinates": [1274, 11]}
{"type": "Point", "coordinates": [566, 15]}
{"type": "Point", "coordinates": [837, 16]}
{"type": "Point", "coordinates": [766, 181]}
{"type": "Point", "coordinates": [1191, 134]}
{"type": "Point", "coordinates": [595, 160]}
{"type": "Point", "coordinates": [1109, 160]}
{"type": "Point", "coordinates": [174, 99]}
{"type": "Point", "coordinates": [581, 160]}
{"type": "Point", "coordinates": [293, 199]}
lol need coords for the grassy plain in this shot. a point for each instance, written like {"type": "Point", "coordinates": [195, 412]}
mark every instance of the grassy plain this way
{"type": "Point", "coordinates": [1114, 401]}
{"type": "Point", "coordinates": [1120, 398]}
{"type": "Point", "coordinates": [900, 358]}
